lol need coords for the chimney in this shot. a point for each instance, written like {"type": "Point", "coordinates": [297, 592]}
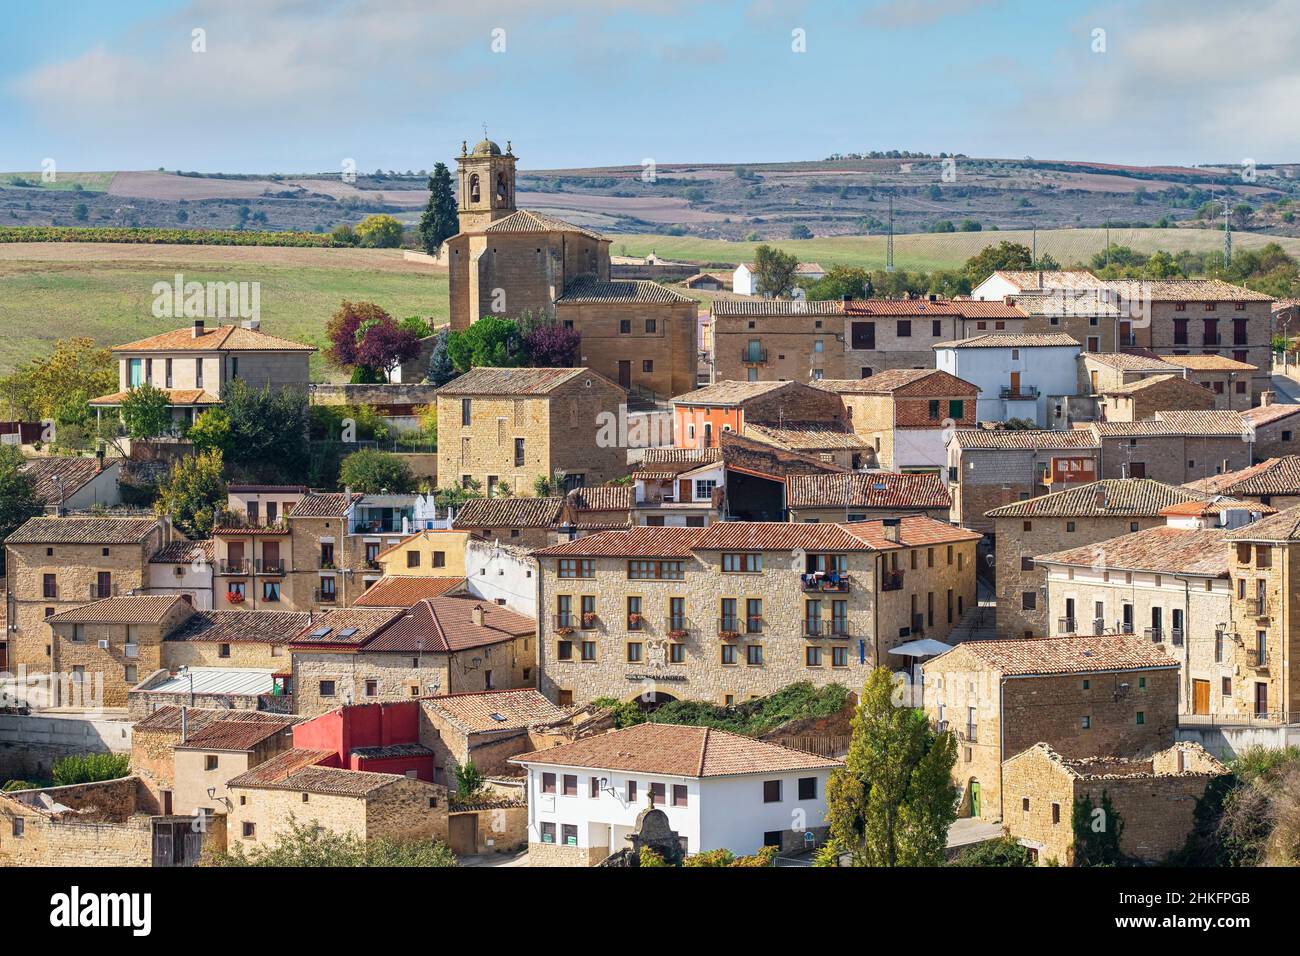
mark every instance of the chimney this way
{"type": "Point", "coordinates": [185, 723]}
{"type": "Point", "coordinates": [197, 331]}
{"type": "Point", "coordinates": [1266, 397]}
{"type": "Point", "coordinates": [892, 529]}
{"type": "Point", "coordinates": [254, 325]}
{"type": "Point", "coordinates": [1101, 498]}
{"type": "Point", "coordinates": [477, 615]}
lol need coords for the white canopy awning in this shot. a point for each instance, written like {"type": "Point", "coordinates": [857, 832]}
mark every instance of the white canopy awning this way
{"type": "Point", "coordinates": [926, 647]}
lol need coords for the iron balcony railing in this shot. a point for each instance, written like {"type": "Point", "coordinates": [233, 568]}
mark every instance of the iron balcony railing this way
{"type": "Point", "coordinates": [1154, 634]}
{"type": "Point", "coordinates": [1256, 657]}
{"type": "Point", "coordinates": [320, 596]}
{"type": "Point", "coordinates": [891, 581]}
{"type": "Point", "coordinates": [227, 566]}
{"type": "Point", "coordinates": [753, 356]}
{"type": "Point", "coordinates": [1065, 625]}
{"type": "Point", "coordinates": [1257, 607]}
{"type": "Point", "coordinates": [838, 584]}
{"type": "Point", "coordinates": [1024, 393]}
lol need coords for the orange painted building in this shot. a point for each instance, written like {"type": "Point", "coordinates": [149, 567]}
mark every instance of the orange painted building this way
{"type": "Point", "coordinates": [701, 416]}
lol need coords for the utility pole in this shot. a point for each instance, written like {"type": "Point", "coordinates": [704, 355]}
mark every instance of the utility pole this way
{"type": "Point", "coordinates": [1227, 234]}
{"type": "Point", "coordinates": [1034, 253]}
{"type": "Point", "coordinates": [1108, 240]}
{"type": "Point", "coordinates": [889, 243]}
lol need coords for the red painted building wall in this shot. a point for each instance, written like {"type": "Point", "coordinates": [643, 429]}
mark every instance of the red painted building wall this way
{"type": "Point", "coordinates": [368, 725]}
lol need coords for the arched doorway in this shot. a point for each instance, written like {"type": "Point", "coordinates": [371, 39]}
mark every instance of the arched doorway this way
{"type": "Point", "coordinates": [650, 700]}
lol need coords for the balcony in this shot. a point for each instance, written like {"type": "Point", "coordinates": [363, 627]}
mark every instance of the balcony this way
{"type": "Point", "coordinates": [753, 356]}
{"type": "Point", "coordinates": [97, 592]}
{"type": "Point", "coordinates": [1154, 634]}
{"type": "Point", "coordinates": [833, 583]}
{"type": "Point", "coordinates": [564, 623]}
{"type": "Point", "coordinates": [1176, 636]}
{"type": "Point", "coordinates": [589, 620]}
{"type": "Point", "coordinates": [1128, 341]}
{"type": "Point", "coordinates": [237, 566]}
{"type": "Point", "coordinates": [272, 566]}
{"type": "Point", "coordinates": [891, 581]}
{"type": "Point", "coordinates": [1256, 607]}
{"type": "Point", "coordinates": [968, 734]}
{"type": "Point", "coordinates": [815, 628]}
{"type": "Point", "coordinates": [1026, 393]}
{"type": "Point", "coordinates": [1066, 625]}
{"type": "Point", "coordinates": [1257, 658]}
{"type": "Point", "coordinates": [678, 626]}
{"type": "Point", "coordinates": [1124, 627]}
{"type": "Point", "coordinates": [327, 564]}
{"type": "Point", "coordinates": [319, 596]}
{"type": "Point", "coordinates": [1098, 626]}
{"type": "Point", "coordinates": [237, 524]}
{"type": "Point", "coordinates": [729, 627]}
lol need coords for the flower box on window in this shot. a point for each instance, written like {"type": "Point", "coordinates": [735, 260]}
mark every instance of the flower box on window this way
{"type": "Point", "coordinates": [564, 631]}
{"type": "Point", "coordinates": [234, 597]}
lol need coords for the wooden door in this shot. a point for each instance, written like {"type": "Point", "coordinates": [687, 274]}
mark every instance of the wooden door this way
{"type": "Point", "coordinates": [1015, 384]}
{"type": "Point", "coordinates": [1200, 697]}
{"type": "Point", "coordinates": [625, 373]}
{"type": "Point", "coordinates": [462, 833]}
{"type": "Point", "coordinates": [974, 798]}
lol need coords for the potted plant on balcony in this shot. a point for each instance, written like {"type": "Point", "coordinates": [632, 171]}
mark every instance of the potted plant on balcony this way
{"type": "Point", "coordinates": [564, 630]}
{"type": "Point", "coordinates": [589, 619]}
{"type": "Point", "coordinates": [729, 635]}
{"type": "Point", "coordinates": [234, 597]}
{"type": "Point", "coordinates": [634, 620]}
{"type": "Point", "coordinates": [678, 633]}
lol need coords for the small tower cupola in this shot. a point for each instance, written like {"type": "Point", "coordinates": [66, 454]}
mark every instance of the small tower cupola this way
{"type": "Point", "coordinates": [487, 184]}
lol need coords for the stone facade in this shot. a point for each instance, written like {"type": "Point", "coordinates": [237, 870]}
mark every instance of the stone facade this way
{"type": "Point", "coordinates": [101, 828]}
{"type": "Point", "coordinates": [936, 585]}
{"type": "Point", "coordinates": [1176, 459]}
{"type": "Point", "coordinates": [1155, 799]}
{"type": "Point", "coordinates": [1261, 637]}
{"type": "Point", "coordinates": [981, 479]}
{"type": "Point", "coordinates": [645, 346]}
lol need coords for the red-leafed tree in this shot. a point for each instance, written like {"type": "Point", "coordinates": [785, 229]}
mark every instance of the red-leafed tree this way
{"type": "Point", "coordinates": [552, 346]}
{"type": "Point", "coordinates": [365, 340]}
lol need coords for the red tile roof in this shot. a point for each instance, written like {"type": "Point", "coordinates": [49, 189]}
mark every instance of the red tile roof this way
{"type": "Point", "coordinates": [496, 710]}
{"type": "Point", "coordinates": [222, 337]}
{"type": "Point", "coordinates": [127, 609]}
{"type": "Point", "coordinates": [74, 473]}
{"type": "Point", "coordinates": [235, 734]}
{"type": "Point", "coordinates": [877, 489]}
{"type": "Point", "coordinates": [1275, 476]}
{"type": "Point", "coordinates": [400, 591]}
{"type": "Point", "coordinates": [1194, 551]}
{"type": "Point", "coordinates": [678, 751]}
{"type": "Point", "coordinates": [1080, 654]}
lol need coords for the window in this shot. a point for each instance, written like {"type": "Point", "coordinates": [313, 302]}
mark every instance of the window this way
{"type": "Point", "coordinates": [813, 656]}
{"type": "Point", "coordinates": [130, 673]}
{"type": "Point", "coordinates": [1056, 814]}
{"type": "Point", "coordinates": [704, 488]}
{"type": "Point", "coordinates": [1029, 600]}
{"type": "Point", "coordinates": [631, 791]}
{"type": "Point", "coordinates": [647, 365]}
{"type": "Point", "coordinates": [548, 783]}
{"type": "Point", "coordinates": [655, 570]}
{"type": "Point", "coordinates": [1227, 687]}
{"type": "Point", "coordinates": [839, 657]}
{"type": "Point", "coordinates": [1141, 718]}
{"type": "Point", "coordinates": [754, 616]}
{"type": "Point", "coordinates": [548, 832]}
{"type": "Point", "coordinates": [934, 409]}
{"type": "Point", "coordinates": [625, 327]}
{"type": "Point", "coordinates": [466, 405]}
{"type": "Point", "coordinates": [1026, 562]}
{"type": "Point", "coordinates": [570, 785]}
{"type": "Point", "coordinates": [223, 650]}
{"type": "Point", "coordinates": [651, 325]}
{"type": "Point", "coordinates": [50, 587]}
{"type": "Point", "coordinates": [956, 408]}
{"type": "Point", "coordinates": [729, 653]}
{"type": "Point", "coordinates": [270, 590]}
{"type": "Point", "coordinates": [1085, 723]}
{"type": "Point", "coordinates": [904, 328]}
{"type": "Point", "coordinates": [17, 828]}
{"type": "Point", "coordinates": [210, 762]}
{"type": "Point", "coordinates": [569, 834]}
{"type": "Point", "coordinates": [743, 563]}
{"type": "Point", "coordinates": [372, 688]}
{"type": "Point", "coordinates": [634, 619]}
{"type": "Point", "coordinates": [413, 559]}
{"type": "Point", "coordinates": [1024, 804]}
{"type": "Point", "coordinates": [634, 652]}
{"type": "Point", "coordinates": [659, 792]}
{"type": "Point", "coordinates": [588, 650]}
{"type": "Point", "coordinates": [771, 791]}
{"type": "Point", "coordinates": [676, 653]}
{"type": "Point", "coordinates": [564, 650]}
{"type": "Point", "coordinates": [807, 788]}
{"type": "Point", "coordinates": [576, 568]}
{"type": "Point", "coordinates": [754, 655]}
{"type": "Point", "coordinates": [679, 794]}
{"type": "Point", "coordinates": [249, 830]}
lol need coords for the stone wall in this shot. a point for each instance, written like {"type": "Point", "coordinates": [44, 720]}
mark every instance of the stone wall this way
{"type": "Point", "coordinates": [498, 827]}
{"type": "Point", "coordinates": [101, 829]}
{"type": "Point", "coordinates": [555, 854]}
{"type": "Point", "coordinates": [29, 746]}
{"type": "Point", "coordinates": [1176, 460]}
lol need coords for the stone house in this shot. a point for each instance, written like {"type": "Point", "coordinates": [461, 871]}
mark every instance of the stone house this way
{"type": "Point", "coordinates": [57, 563]}
{"type": "Point", "coordinates": [507, 427]}
{"type": "Point", "coordinates": [1174, 446]}
{"type": "Point", "coordinates": [1080, 515]}
{"type": "Point", "coordinates": [448, 644]}
{"type": "Point", "coordinates": [1024, 376]}
{"type": "Point", "coordinates": [537, 522]}
{"type": "Point", "coordinates": [906, 414]}
{"type": "Point", "coordinates": [1084, 695]}
{"type": "Point", "coordinates": [204, 760]}
{"type": "Point", "coordinates": [250, 640]}
{"type": "Point", "coordinates": [485, 729]}
{"type": "Point", "coordinates": [741, 609]}
{"type": "Point", "coordinates": [866, 496]}
{"type": "Point", "coordinates": [1262, 633]}
{"type": "Point", "coordinates": [183, 568]}
{"type": "Point", "coordinates": [880, 335]}
{"type": "Point", "coordinates": [776, 340]}
{"type": "Point", "coordinates": [1169, 585]}
{"type": "Point", "coordinates": [702, 415]}
{"type": "Point", "coordinates": [298, 786]}
{"type": "Point", "coordinates": [67, 483]}
{"type": "Point", "coordinates": [1157, 393]}
{"type": "Point", "coordinates": [503, 574]}
{"type": "Point", "coordinates": [1276, 428]}
{"type": "Point", "coordinates": [720, 791]}
{"type": "Point", "coordinates": [1154, 798]}
{"type": "Point", "coordinates": [1227, 380]}
{"type": "Point", "coordinates": [988, 468]}
{"type": "Point", "coordinates": [436, 552]}
{"type": "Point", "coordinates": [193, 365]}
{"type": "Point", "coordinates": [106, 647]}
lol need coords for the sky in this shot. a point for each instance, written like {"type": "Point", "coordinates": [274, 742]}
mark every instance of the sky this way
{"type": "Point", "coordinates": [249, 86]}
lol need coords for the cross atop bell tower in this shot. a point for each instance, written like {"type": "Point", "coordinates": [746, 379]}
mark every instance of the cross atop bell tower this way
{"type": "Point", "coordinates": [486, 179]}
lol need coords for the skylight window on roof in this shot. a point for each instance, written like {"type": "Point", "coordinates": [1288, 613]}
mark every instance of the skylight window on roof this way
{"type": "Point", "coordinates": [321, 631]}
{"type": "Point", "coordinates": [347, 632]}
{"type": "Point", "coordinates": [498, 718]}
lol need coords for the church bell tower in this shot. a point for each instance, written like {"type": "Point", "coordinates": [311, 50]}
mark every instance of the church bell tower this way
{"type": "Point", "coordinates": [487, 184]}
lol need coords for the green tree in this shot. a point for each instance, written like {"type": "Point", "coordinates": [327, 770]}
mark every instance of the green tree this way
{"type": "Point", "coordinates": [1004, 851]}
{"type": "Point", "coordinates": [896, 786]}
{"type": "Point", "coordinates": [1097, 832]}
{"type": "Point", "coordinates": [81, 212]}
{"type": "Point", "coordinates": [380, 231]}
{"type": "Point", "coordinates": [1005, 255]}
{"type": "Point", "coordinates": [59, 387]}
{"type": "Point", "coordinates": [840, 281]}
{"type": "Point", "coordinates": [192, 493]}
{"type": "Point", "coordinates": [416, 325]}
{"type": "Point", "coordinates": [18, 498]}
{"type": "Point", "coordinates": [145, 412]}
{"type": "Point", "coordinates": [440, 220]}
{"type": "Point", "coordinates": [469, 780]}
{"type": "Point", "coordinates": [441, 369]}
{"type": "Point", "coordinates": [491, 342]}
{"type": "Point", "coordinates": [800, 231]}
{"type": "Point", "coordinates": [89, 768]}
{"type": "Point", "coordinates": [774, 271]}
{"type": "Point", "coordinates": [309, 844]}
{"type": "Point", "coordinates": [268, 433]}
{"type": "Point", "coordinates": [211, 431]}
{"type": "Point", "coordinates": [370, 472]}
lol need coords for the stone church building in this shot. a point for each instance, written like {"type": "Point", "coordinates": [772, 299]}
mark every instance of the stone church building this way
{"type": "Point", "coordinates": [507, 261]}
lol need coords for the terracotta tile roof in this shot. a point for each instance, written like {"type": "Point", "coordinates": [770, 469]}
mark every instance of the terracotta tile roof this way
{"type": "Point", "coordinates": [982, 309]}
{"type": "Point", "coordinates": [662, 464]}
{"type": "Point", "coordinates": [1139, 361]}
{"type": "Point", "coordinates": [1213, 423]}
{"type": "Point", "coordinates": [235, 734]}
{"type": "Point", "coordinates": [1215, 506]}
{"type": "Point", "coordinates": [1013, 439]}
{"type": "Point", "coordinates": [496, 710]}
{"type": "Point", "coordinates": [877, 489]}
{"type": "Point", "coordinates": [915, 531]}
{"type": "Point", "coordinates": [747, 455]}
{"type": "Point", "coordinates": [328, 505]}
{"type": "Point", "coordinates": [729, 393]}
{"type": "Point", "coordinates": [641, 541]}
{"type": "Point", "coordinates": [392, 750]}
{"type": "Point", "coordinates": [1142, 384]}
{"type": "Point", "coordinates": [175, 396]}
{"type": "Point", "coordinates": [128, 609]}
{"type": "Point", "coordinates": [1195, 551]}
{"type": "Point", "coordinates": [1274, 476]}
{"type": "Point", "coordinates": [242, 627]}
{"type": "Point", "coordinates": [73, 472]}
{"type": "Point", "coordinates": [1283, 526]}
{"type": "Point", "coordinates": [345, 626]}
{"type": "Point", "coordinates": [1184, 290]}
{"type": "Point", "coordinates": [778, 536]}
{"type": "Point", "coordinates": [906, 381]}
{"type": "Point", "coordinates": [231, 338]}
{"type": "Point", "coordinates": [401, 591]}
{"type": "Point", "coordinates": [76, 529]}
{"type": "Point", "coordinates": [677, 751]}
{"type": "Point", "coordinates": [1265, 414]}
{"type": "Point", "coordinates": [603, 498]}
{"type": "Point", "coordinates": [907, 308]}
{"type": "Point", "coordinates": [1050, 279]}
{"type": "Point", "coordinates": [168, 718]}
{"type": "Point", "coordinates": [526, 220]}
{"type": "Point", "coordinates": [1110, 497]}
{"type": "Point", "coordinates": [509, 513]}
{"type": "Point", "coordinates": [1068, 302]}
{"type": "Point", "coordinates": [1208, 363]}
{"type": "Point", "coordinates": [300, 769]}
{"type": "Point", "coordinates": [486, 380]}
{"type": "Point", "coordinates": [1081, 654]}
{"type": "Point", "coordinates": [757, 308]}
{"type": "Point", "coordinates": [591, 289]}
{"type": "Point", "coordinates": [183, 552]}
{"type": "Point", "coordinates": [446, 625]}
{"type": "Point", "coordinates": [806, 436]}
{"type": "Point", "coordinates": [1011, 340]}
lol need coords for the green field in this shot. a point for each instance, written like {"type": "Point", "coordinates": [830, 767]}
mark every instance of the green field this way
{"type": "Point", "coordinates": [41, 301]}
{"type": "Point", "coordinates": [90, 182]}
{"type": "Point", "coordinates": [926, 252]}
